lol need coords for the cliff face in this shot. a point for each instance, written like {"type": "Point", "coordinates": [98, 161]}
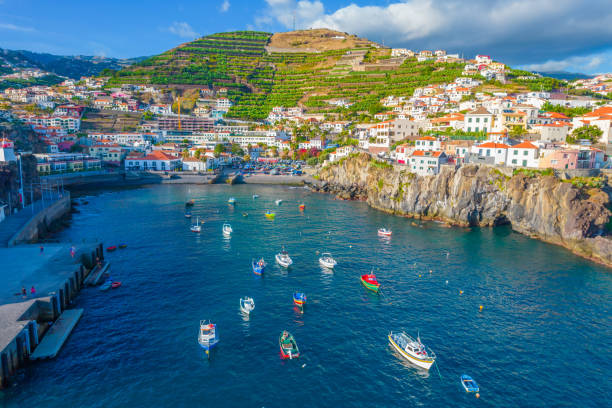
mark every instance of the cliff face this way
{"type": "Point", "coordinates": [542, 207]}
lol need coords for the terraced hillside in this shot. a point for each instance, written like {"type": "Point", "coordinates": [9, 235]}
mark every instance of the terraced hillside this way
{"type": "Point", "coordinates": [258, 79]}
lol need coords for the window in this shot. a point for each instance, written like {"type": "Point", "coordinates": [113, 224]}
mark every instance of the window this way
{"type": "Point", "coordinates": [477, 120]}
{"type": "Point", "coordinates": [485, 120]}
{"type": "Point", "coordinates": [488, 152]}
{"type": "Point", "coordinates": [525, 153]}
{"type": "Point", "coordinates": [470, 120]}
{"type": "Point", "coordinates": [516, 152]}
{"type": "Point", "coordinates": [513, 161]}
{"type": "Point", "coordinates": [525, 163]}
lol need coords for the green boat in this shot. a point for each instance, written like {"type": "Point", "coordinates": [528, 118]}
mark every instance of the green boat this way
{"type": "Point", "coordinates": [288, 346]}
{"type": "Point", "coordinates": [370, 282]}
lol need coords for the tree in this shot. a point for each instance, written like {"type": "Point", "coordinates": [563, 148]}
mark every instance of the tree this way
{"type": "Point", "coordinates": [246, 158]}
{"type": "Point", "coordinates": [219, 148]}
{"type": "Point", "coordinates": [197, 153]}
{"type": "Point", "coordinates": [587, 132]}
{"type": "Point", "coordinates": [516, 131]}
{"type": "Point", "coordinates": [148, 115]}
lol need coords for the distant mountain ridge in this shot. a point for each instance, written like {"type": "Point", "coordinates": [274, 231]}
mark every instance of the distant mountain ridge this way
{"type": "Point", "coordinates": [568, 76]}
{"type": "Point", "coordinates": [68, 66]}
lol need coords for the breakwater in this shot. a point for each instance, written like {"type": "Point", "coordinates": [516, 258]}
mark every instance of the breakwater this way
{"type": "Point", "coordinates": [540, 206]}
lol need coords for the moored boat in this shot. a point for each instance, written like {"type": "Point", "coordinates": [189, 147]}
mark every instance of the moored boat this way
{"type": "Point", "coordinates": [299, 298]}
{"type": "Point", "coordinates": [115, 285]}
{"type": "Point", "coordinates": [106, 285]}
{"type": "Point", "coordinates": [469, 384]}
{"type": "Point", "coordinates": [245, 214]}
{"type": "Point", "coordinates": [255, 196]}
{"type": "Point", "coordinates": [384, 232]}
{"type": "Point", "coordinates": [111, 248]}
{"type": "Point", "coordinates": [207, 336]}
{"type": "Point", "coordinates": [190, 203]}
{"type": "Point", "coordinates": [247, 305]}
{"type": "Point", "coordinates": [278, 202]}
{"type": "Point", "coordinates": [270, 215]}
{"type": "Point", "coordinates": [288, 346]}
{"type": "Point", "coordinates": [412, 350]}
{"type": "Point", "coordinates": [196, 227]}
{"type": "Point", "coordinates": [284, 259]}
{"type": "Point", "coordinates": [370, 282]}
{"type": "Point", "coordinates": [302, 207]}
{"type": "Point", "coordinates": [258, 266]}
{"type": "Point", "coordinates": [187, 214]}
{"type": "Point", "coordinates": [227, 230]}
{"type": "Point", "coordinates": [122, 246]}
{"type": "Point", "coordinates": [231, 200]}
{"type": "Point", "coordinates": [326, 260]}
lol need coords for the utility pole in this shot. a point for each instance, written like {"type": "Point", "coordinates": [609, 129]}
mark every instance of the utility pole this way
{"type": "Point", "coordinates": [179, 112]}
{"type": "Point", "coordinates": [21, 197]}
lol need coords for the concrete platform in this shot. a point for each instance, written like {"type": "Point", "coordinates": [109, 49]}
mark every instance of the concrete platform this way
{"type": "Point", "coordinates": [56, 336]}
{"type": "Point", "coordinates": [10, 323]}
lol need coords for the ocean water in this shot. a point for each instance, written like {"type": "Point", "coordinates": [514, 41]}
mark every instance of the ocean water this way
{"type": "Point", "coordinates": [543, 337]}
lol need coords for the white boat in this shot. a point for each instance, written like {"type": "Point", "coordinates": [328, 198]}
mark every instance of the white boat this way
{"type": "Point", "coordinates": [227, 229]}
{"type": "Point", "coordinates": [327, 260]}
{"type": "Point", "coordinates": [231, 200]}
{"type": "Point", "coordinates": [278, 202]}
{"type": "Point", "coordinates": [283, 259]}
{"type": "Point", "coordinates": [207, 336]}
{"type": "Point", "coordinates": [384, 232]}
{"type": "Point", "coordinates": [196, 227]}
{"type": "Point", "coordinates": [255, 196]}
{"type": "Point", "coordinates": [247, 305]}
{"type": "Point", "coordinates": [412, 350]}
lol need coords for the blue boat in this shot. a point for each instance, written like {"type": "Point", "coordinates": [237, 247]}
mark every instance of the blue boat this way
{"type": "Point", "coordinates": [258, 266]}
{"type": "Point", "coordinates": [469, 384]}
{"type": "Point", "coordinates": [299, 298]}
{"type": "Point", "coordinates": [207, 337]}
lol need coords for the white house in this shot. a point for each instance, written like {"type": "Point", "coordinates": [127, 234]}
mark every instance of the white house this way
{"type": "Point", "coordinates": [552, 132]}
{"type": "Point", "coordinates": [427, 143]}
{"type": "Point", "coordinates": [601, 117]}
{"type": "Point", "coordinates": [524, 154]}
{"type": "Point", "coordinates": [193, 164]}
{"type": "Point", "coordinates": [478, 120]}
{"type": "Point", "coordinates": [341, 152]}
{"type": "Point", "coordinates": [483, 60]}
{"type": "Point", "coordinates": [499, 151]}
{"type": "Point", "coordinates": [403, 153]}
{"type": "Point", "coordinates": [425, 163]}
{"type": "Point", "coordinates": [156, 161]}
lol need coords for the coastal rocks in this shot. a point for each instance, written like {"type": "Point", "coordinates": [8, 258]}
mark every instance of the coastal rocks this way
{"type": "Point", "coordinates": [542, 207]}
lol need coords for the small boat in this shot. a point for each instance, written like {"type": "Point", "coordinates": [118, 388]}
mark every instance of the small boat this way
{"type": "Point", "coordinates": [207, 336]}
{"type": "Point", "coordinates": [327, 261]}
{"type": "Point", "coordinates": [115, 285]}
{"type": "Point", "coordinates": [196, 227]}
{"type": "Point", "coordinates": [288, 346]}
{"type": "Point", "coordinates": [412, 350]}
{"type": "Point", "coordinates": [231, 200]}
{"type": "Point", "coordinates": [190, 203]}
{"type": "Point", "coordinates": [106, 285]}
{"type": "Point", "coordinates": [299, 298]}
{"type": "Point", "coordinates": [258, 266]}
{"type": "Point", "coordinates": [111, 248]}
{"type": "Point", "coordinates": [278, 202]}
{"type": "Point", "coordinates": [247, 305]}
{"type": "Point", "coordinates": [384, 232]}
{"type": "Point", "coordinates": [270, 215]}
{"type": "Point", "coordinates": [370, 282]}
{"type": "Point", "coordinates": [284, 259]}
{"type": "Point", "coordinates": [188, 214]}
{"type": "Point", "coordinates": [122, 246]}
{"type": "Point", "coordinates": [227, 230]}
{"type": "Point", "coordinates": [469, 384]}
{"type": "Point", "coordinates": [255, 196]}
{"type": "Point", "coordinates": [245, 214]}
{"type": "Point", "coordinates": [302, 207]}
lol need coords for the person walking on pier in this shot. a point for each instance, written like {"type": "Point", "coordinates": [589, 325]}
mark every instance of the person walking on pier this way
{"type": "Point", "coordinates": [32, 291]}
{"type": "Point", "coordinates": [72, 251]}
{"type": "Point", "coordinates": [24, 293]}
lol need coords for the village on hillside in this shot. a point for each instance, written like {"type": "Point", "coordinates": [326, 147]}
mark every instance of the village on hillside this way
{"type": "Point", "coordinates": [86, 125]}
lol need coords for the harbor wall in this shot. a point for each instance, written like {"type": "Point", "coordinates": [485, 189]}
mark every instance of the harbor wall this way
{"type": "Point", "coordinates": [32, 229]}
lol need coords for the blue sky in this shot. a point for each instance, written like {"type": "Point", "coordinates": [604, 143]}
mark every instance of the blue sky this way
{"type": "Point", "coordinates": [548, 35]}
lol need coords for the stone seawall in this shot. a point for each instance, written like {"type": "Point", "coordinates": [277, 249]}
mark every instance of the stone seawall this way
{"type": "Point", "coordinates": [32, 229]}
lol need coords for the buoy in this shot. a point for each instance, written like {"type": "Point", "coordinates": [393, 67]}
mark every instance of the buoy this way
{"type": "Point", "coordinates": [477, 395]}
{"type": "Point", "coordinates": [303, 365]}
{"type": "Point", "coordinates": [350, 246]}
{"type": "Point", "coordinates": [481, 307]}
{"type": "Point", "coordinates": [419, 276]}
{"type": "Point", "coordinates": [430, 271]}
{"type": "Point", "coordinates": [446, 283]}
{"type": "Point", "coordinates": [461, 292]}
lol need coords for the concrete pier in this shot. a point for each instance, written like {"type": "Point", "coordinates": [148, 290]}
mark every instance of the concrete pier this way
{"type": "Point", "coordinates": [56, 336]}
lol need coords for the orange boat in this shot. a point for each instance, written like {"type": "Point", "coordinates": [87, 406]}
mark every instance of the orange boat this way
{"type": "Point", "coordinates": [302, 207]}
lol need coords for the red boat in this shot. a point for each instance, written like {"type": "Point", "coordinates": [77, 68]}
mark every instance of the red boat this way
{"type": "Point", "coordinates": [111, 248]}
{"type": "Point", "coordinates": [115, 285]}
{"type": "Point", "coordinates": [370, 282]}
{"type": "Point", "coordinates": [302, 207]}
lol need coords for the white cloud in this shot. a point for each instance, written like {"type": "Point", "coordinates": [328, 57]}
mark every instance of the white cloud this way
{"type": "Point", "coordinates": [224, 6]}
{"type": "Point", "coordinates": [13, 27]}
{"type": "Point", "coordinates": [587, 63]}
{"type": "Point", "coordinates": [182, 29]}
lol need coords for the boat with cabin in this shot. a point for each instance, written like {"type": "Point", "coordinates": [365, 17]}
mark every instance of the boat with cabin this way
{"type": "Point", "coordinates": [207, 336]}
{"type": "Point", "coordinates": [227, 230]}
{"type": "Point", "coordinates": [326, 260]}
{"type": "Point", "coordinates": [412, 350]}
{"type": "Point", "coordinates": [284, 259]}
{"type": "Point", "coordinates": [288, 346]}
{"type": "Point", "coordinates": [384, 232]}
{"type": "Point", "coordinates": [299, 298]}
{"type": "Point", "coordinates": [231, 200]}
{"type": "Point", "coordinates": [468, 383]}
{"type": "Point", "coordinates": [370, 282]}
{"type": "Point", "coordinates": [258, 266]}
{"type": "Point", "coordinates": [247, 305]}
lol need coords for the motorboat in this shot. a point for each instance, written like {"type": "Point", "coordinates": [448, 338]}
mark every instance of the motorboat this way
{"type": "Point", "coordinates": [196, 227]}
{"type": "Point", "coordinates": [106, 285]}
{"type": "Point", "coordinates": [245, 214]}
{"type": "Point", "coordinates": [327, 261]}
{"type": "Point", "coordinates": [302, 207]}
{"type": "Point", "coordinates": [258, 266]}
{"type": "Point", "coordinates": [299, 298]}
{"type": "Point", "coordinates": [115, 285]}
{"type": "Point", "coordinates": [255, 196]}
{"type": "Point", "coordinates": [270, 215]}
{"type": "Point", "coordinates": [469, 384]}
{"type": "Point", "coordinates": [288, 346]}
{"type": "Point", "coordinates": [111, 248]}
{"type": "Point", "coordinates": [384, 232]}
{"type": "Point", "coordinates": [190, 203]}
{"type": "Point", "coordinates": [122, 246]}
{"type": "Point", "coordinates": [227, 230]}
{"type": "Point", "coordinates": [188, 214]}
{"type": "Point", "coordinates": [207, 336]}
{"type": "Point", "coordinates": [278, 202]}
{"type": "Point", "coordinates": [247, 305]}
{"type": "Point", "coordinates": [231, 200]}
{"type": "Point", "coordinates": [370, 282]}
{"type": "Point", "coordinates": [284, 259]}
{"type": "Point", "coordinates": [412, 350]}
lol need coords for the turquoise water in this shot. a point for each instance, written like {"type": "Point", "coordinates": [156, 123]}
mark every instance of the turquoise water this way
{"type": "Point", "coordinates": [543, 337]}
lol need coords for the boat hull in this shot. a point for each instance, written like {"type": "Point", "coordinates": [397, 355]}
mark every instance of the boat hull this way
{"type": "Point", "coordinates": [209, 345]}
{"type": "Point", "coordinates": [426, 364]}
{"type": "Point", "coordinates": [370, 286]}
{"type": "Point", "coordinates": [329, 265]}
{"type": "Point", "coordinates": [258, 270]}
{"type": "Point", "coordinates": [283, 263]}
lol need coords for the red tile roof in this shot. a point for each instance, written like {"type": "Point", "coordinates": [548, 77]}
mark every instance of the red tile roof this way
{"type": "Point", "coordinates": [525, 145]}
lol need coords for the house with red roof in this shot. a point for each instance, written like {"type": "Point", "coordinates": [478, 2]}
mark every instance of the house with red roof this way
{"type": "Point", "coordinates": [428, 143]}
{"type": "Point", "coordinates": [524, 154]}
{"type": "Point", "coordinates": [157, 160]}
{"type": "Point", "coordinates": [600, 117]}
{"type": "Point", "coordinates": [426, 163]}
{"type": "Point", "coordinates": [497, 151]}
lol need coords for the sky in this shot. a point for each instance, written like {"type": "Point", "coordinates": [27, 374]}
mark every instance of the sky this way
{"type": "Point", "coordinates": [542, 35]}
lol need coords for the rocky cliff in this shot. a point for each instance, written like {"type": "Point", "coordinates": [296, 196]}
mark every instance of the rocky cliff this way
{"type": "Point", "coordinates": [542, 207]}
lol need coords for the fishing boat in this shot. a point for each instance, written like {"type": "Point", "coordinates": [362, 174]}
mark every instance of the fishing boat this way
{"type": "Point", "coordinates": [299, 298]}
{"type": "Point", "coordinates": [370, 282]}
{"type": "Point", "coordinates": [187, 214]}
{"type": "Point", "coordinates": [469, 384]}
{"type": "Point", "coordinates": [255, 196]}
{"type": "Point", "coordinates": [122, 246]}
{"type": "Point", "coordinates": [278, 202]}
{"type": "Point", "coordinates": [106, 285]}
{"type": "Point", "coordinates": [247, 305]}
{"type": "Point", "coordinates": [245, 214]}
{"type": "Point", "coordinates": [231, 200]}
{"type": "Point", "coordinates": [196, 227]}
{"type": "Point", "coordinates": [111, 248]}
{"type": "Point", "coordinates": [115, 285]}
{"type": "Point", "coordinates": [288, 346]}
{"type": "Point", "coordinates": [327, 261]}
{"type": "Point", "coordinates": [207, 336]}
{"type": "Point", "coordinates": [270, 215]}
{"type": "Point", "coordinates": [190, 203]}
{"type": "Point", "coordinates": [284, 259]}
{"type": "Point", "coordinates": [384, 232]}
{"type": "Point", "coordinates": [302, 207]}
{"type": "Point", "coordinates": [412, 350]}
{"type": "Point", "coordinates": [258, 266]}
{"type": "Point", "coordinates": [227, 230]}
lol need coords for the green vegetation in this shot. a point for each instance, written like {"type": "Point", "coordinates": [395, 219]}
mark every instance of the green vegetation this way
{"type": "Point", "coordinates": [379, 164]}
{"type": "Point", "coordinates": [47, 80]}
{"type": "Point", "coordinates": [587, 132]}
{"type": "Point", "coordinates": [567, 111]}
{"type": "Point", "coordinates": [587, 182]}
{"type": "Point", "coordinates": [531, 173]}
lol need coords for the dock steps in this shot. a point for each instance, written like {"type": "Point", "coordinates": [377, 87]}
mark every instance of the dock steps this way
{"type": "Point", "coordinates": [57, 335]}
{"type": "Point", "coordinates": [95, 277]}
